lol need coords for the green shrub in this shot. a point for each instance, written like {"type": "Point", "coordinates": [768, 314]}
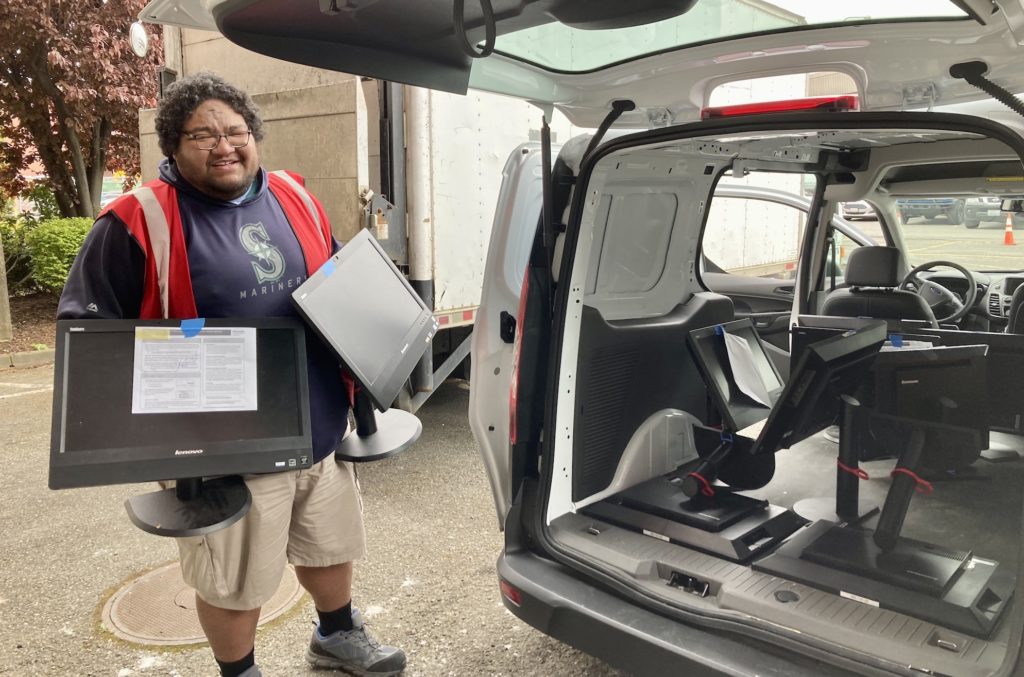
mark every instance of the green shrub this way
{"type": "Point", "coordinates": [52, 247]}
{"type": "Point", "coordinates": [13, 232]}
{"type": "Point", "coordinates": [45, 202]}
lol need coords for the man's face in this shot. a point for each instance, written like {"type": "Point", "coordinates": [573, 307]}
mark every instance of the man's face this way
{"type": "Point", "coordinates": [224, 172]}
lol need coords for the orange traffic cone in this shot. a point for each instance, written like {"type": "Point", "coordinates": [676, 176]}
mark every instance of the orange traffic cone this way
{"type": "Point", "coordinates": [1008, 233]}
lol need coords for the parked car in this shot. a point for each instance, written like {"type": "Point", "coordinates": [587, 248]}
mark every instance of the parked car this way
{"type": "Point", "coordinates": [987, 209]}
{"type": "Point", "coordinates": [931, 208]}
{"type": "Point", "coordinates": [858, 209]}
{"type": "Point", "coordinates": [640, 524]}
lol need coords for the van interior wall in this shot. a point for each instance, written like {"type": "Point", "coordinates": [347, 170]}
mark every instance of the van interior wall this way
{"type": "Point", "coordinates": [629, 369]}
{"type": "Point", "coordinates": [634, 296]}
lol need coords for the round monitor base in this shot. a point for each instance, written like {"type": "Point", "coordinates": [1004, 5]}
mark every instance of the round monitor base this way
{"type": "Point", "coordinates": [396, 431]}
{"type": "Point", "coordinates": [220, 503]}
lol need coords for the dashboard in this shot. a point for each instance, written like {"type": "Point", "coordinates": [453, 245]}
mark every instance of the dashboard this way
{"type": "Point", "coordinates": [1000, 293]}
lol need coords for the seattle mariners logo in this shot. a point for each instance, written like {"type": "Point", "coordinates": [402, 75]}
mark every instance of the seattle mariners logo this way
{"type": "Point", "coordinates": [269, 264]}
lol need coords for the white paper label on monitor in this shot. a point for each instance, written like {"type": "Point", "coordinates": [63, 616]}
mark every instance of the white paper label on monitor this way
{"type": "Point", "coordinates": [213, 370]}
{"type": "Point", "coordinates": [744, 371]}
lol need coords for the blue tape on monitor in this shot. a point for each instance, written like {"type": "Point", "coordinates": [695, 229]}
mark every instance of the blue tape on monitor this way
{"type": "Point", "coordinates": [896, 340]}
{"type": "Point", "coordinates": [192, 327]}
{"type": "Point", "coordinates": [328, 267]}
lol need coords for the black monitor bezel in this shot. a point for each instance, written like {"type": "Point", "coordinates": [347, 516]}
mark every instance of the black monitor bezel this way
{"type": "Point", "coordinates": [1001, 409]}
{"type": "Point", "coordinates": [127, 465]}
{"type": "Point", "coordinates": [736, 416]}
{"type": "Point", "coordinates": [383, 389]}
{"type": "Point", "coordinates": [808, 381]}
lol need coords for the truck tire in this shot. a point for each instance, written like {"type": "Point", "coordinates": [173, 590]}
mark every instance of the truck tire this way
{"type": "Point", "coordinates": [972, 223]}
{"type": "Point", "coordinates": [956, 215]}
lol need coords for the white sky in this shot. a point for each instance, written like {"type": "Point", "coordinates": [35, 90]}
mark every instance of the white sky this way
{"type": "Point", "coordinates": [818, 11]}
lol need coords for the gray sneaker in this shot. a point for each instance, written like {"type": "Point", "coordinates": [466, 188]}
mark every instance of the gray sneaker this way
{"type": "Point", "coordinates": [253, 671]}
{"type": "Point", "coordinates": [355, 652]}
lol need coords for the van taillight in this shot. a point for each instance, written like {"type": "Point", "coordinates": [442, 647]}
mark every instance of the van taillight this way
{"type": "Point", "coordinates": [817, 104]}
{"type": "Point", "coordinates": [513, 394]}
{"type": "Point", "coordinates": [509, 592]}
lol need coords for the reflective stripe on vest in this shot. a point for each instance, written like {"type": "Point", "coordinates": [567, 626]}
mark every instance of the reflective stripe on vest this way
{"type": "Point", "coordinates": [302, 193]}
{"type": "Point", "coordinates": [159, 239]}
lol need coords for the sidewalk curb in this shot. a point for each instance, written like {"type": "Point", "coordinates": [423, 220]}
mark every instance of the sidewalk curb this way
{"type": "Point", "coordinates": [30, 358]}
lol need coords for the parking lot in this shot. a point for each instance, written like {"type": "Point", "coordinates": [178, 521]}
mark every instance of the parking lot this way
{"type": "Point", "coordinates": [978, 249]}
{"type": "Point", "coordinates": [428, 583]}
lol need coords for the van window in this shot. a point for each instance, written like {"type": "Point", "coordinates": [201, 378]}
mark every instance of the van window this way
{"type": "Point", "coordinates": [782, 87]}
{"type": "Point", "coordinates": [636, 242]}
{"type": "Point", "coordinates": [755, 237]}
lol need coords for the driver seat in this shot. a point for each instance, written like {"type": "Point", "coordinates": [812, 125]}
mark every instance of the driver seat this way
{"type": "Point", "coordinates": [1015, 316]}
{"type": "Point", "coordinates": [872, 274]}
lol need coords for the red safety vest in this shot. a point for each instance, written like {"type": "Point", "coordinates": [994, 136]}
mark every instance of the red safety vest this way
{"type": "Point", "coordinates": [151, 214]}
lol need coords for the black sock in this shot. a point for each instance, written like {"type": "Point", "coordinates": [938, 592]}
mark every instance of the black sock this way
{"type": "Point", "coordinates": [332, 621]}
{"type": "Point", "coordinates": [235, 668]}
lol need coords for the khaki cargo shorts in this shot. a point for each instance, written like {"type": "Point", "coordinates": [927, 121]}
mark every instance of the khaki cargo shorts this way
{"type": "Point", "coordinates": [311, 518]}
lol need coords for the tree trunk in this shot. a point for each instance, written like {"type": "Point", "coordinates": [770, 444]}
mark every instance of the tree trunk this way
{"type": "Point", "coordinates": [6, 326]}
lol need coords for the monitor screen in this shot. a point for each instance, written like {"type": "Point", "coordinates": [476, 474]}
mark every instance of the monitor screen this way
{"type": "Point", "coordinates": [365, 309]}
{"type": "Point", "coordinates": [823, 373]}
{"type": "Point", "coordinates": [742, 381]}
{"type": "Point", "coordinates": [944, 387]}
{"type": "Point", "coordinates": [96, 438]}
{"type": "Point", "coordinates": [1004, 406]}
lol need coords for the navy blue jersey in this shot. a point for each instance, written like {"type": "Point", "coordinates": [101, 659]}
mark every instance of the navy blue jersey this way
{"type": "Point", "coordinates": [244, 261]}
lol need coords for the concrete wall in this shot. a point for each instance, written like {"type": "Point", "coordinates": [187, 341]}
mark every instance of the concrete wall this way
{"type": "Point", "coordinates": [315, 120]}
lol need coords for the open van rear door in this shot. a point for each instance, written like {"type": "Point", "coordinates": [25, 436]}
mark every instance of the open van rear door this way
{"type": "Point", "coordinates": [515, 225]}
{"type": "Point", "coordinates": [667, 56]}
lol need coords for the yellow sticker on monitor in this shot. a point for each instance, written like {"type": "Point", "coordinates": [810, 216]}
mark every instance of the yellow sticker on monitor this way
{"type": "Point", "coordinates": [152, 334]}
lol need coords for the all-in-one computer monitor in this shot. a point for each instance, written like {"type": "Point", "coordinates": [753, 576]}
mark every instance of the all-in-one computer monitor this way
{"type": "Point", "coordinates": [715, 359]}
{"type": "Point", "coordinates": [198, 401]}
{"type": "Point", "coordinates": [366, 310]}
{"type": "Point", "coordinates": [97, 440]}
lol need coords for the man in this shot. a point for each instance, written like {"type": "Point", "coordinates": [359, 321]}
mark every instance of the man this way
{"type": "Point", "coordinates": [217, 236]}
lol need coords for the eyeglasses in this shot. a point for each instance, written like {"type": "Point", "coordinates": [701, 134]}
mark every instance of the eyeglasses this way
{"type": "Point", "coordinates": [207, 141]}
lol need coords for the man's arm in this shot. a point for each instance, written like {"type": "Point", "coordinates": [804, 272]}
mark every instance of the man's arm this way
{"type": "Point", "coordinates": [106, 280]}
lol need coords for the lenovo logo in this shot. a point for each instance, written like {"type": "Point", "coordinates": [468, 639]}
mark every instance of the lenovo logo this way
{"type": "Point", "coordinates": [187, 452]}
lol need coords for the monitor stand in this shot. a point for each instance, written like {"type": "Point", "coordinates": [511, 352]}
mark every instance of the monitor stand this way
{"type": "Point", "coordinates": [684, 508]}
{"type": "Point", "coordinates": [846, 508]}
{"type": "Point", "coordinates": [193, 507]}
{"type": "Point", "coordinates": [952, 588]}
{"type": "Point", "coordinates": [378, 435]}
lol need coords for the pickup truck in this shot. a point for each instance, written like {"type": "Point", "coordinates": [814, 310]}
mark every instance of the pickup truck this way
{"type": "Point", "coordinates": [931, 207]}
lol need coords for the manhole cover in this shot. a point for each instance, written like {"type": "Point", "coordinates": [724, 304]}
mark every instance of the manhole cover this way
{"type": "Point", "coordinates": [157, 608]}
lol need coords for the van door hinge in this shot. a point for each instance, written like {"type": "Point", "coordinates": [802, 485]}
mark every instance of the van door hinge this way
{"type": "Point", "coordinates": [507, 327]}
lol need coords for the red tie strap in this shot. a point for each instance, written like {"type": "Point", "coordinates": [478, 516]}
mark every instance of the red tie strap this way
{"type": "Point", "coordinates": [859, 472]}
{"type": "Point", "coordinates": [705, 486]}
{"type": "Point", "coordinates": [923, 487]}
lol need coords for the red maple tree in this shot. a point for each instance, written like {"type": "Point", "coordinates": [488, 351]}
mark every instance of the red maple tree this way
{"type": "Point", "coordinates": [70, 92]}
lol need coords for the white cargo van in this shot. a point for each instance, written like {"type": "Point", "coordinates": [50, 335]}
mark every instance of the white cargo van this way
{"type": "Point", "coordinates": [668, 501]}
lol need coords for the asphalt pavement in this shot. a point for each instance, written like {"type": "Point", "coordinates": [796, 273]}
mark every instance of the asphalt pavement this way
{"type": "Point", "coordinates": [427, 584]}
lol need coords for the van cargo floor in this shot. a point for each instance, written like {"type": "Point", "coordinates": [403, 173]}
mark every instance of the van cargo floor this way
{"type": "Point", "coordinates": [981, 513]}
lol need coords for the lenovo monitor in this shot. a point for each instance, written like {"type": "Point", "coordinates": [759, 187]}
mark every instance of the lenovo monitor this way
{"type": "Point", "coordinates": [365, 309]}
{"type": "Point", "coordinates": [144, 400]}
{"type": "Point", "coordinates": [825, 372]}
{"type": "Point", "coordinates": [742, 380]}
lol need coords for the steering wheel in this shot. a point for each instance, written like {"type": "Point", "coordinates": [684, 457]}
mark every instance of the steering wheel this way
{"type": "Point", "coordinates": [937, 296]}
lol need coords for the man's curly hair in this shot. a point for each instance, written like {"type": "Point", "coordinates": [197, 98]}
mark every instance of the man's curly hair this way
{"type": "Point", "coordinates": [182, 97]}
